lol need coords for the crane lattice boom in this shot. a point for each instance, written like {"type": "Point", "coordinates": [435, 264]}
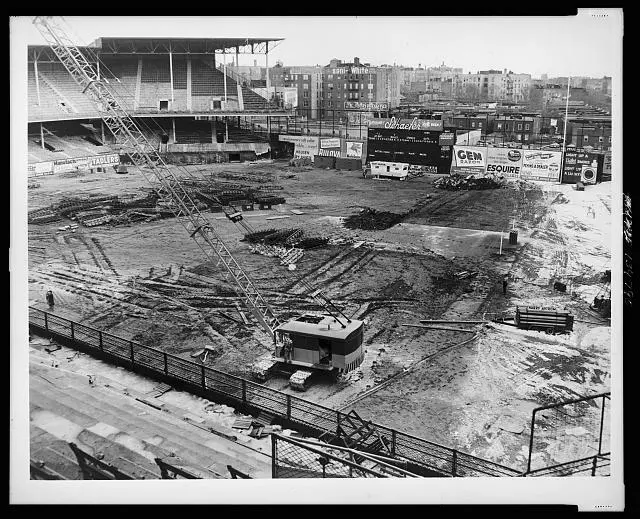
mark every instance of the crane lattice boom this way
{"type": "Point", "coordinates": [166, 184]}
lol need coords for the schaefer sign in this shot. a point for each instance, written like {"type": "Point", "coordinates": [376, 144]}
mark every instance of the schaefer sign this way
{"type": "Point", "coordinates": [504, 162]}
{"type": "Point", "coordinates": [304, 146]}
{"type": "Point", "coordinates": [468, 160]}
{"type": "Point", "coordinates": [541, 165]}
{"type": "Point", "coordinates": [366, 106]}
{"type": "Point", "coordinates": [407, 124]}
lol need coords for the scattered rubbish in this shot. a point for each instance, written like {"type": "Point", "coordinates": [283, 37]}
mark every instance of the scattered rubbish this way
{"type": "Point", "coordinates": [277, 217]}
{"type": "Point", "coordinates": [295, 211]}
{"type": "Point", "coordinates": [243, 423]}
{"type": "Point", "coordinates": [51, 349]}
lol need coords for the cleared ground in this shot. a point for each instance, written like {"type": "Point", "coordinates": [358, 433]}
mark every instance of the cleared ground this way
{"type": "Point", "coordinates": [456, 388]}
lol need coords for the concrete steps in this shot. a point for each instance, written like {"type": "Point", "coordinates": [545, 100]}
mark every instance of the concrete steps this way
{"type": "Point", "coordinates": [56, 454]}
{"type": "Point", "coordinates": [150, 431]}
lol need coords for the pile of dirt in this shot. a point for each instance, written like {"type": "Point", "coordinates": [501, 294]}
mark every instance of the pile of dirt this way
{"type": "Point", "coordinates": [456, 181]}
{"type": "Point", "coordinates": [371, 220]}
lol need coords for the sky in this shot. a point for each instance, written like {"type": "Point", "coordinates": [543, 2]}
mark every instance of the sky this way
{"type": "Point", "coordinates": [582, 45]}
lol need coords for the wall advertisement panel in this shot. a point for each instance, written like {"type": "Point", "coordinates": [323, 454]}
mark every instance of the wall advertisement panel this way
{"type": "Point", "coordinates": [305, 146]}
{"type": "Point", "coordinates": [541, 165]}
{"type": "Point", "coordinates": [330, 147]}
{"type": "Point", "coordinates": [79, 163]}
{"type": "Point", "coordinates": [469, 160]}
{"type": "Point", "coordinates": [573, 162]}
{"type": "Point", "coordinates": [40, 168]}
{"type": "Point", "coordinates": [504, 162]}
{"type": "Point", "coordinates": [354, 149]}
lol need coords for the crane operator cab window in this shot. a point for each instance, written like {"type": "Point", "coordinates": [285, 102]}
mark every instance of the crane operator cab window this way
{"type": "Point", "coordinates": [324, 346]}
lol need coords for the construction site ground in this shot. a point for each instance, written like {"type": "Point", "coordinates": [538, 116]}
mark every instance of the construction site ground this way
{"type": "Point", "coordinates": [470, 390]}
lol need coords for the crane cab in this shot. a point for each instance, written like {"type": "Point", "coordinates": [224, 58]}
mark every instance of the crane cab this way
{"type": "Point", "coordinates": [320, 342]}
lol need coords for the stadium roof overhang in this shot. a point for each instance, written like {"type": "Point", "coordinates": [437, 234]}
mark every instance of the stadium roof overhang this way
{"type": "Point", "coordinates": [44, 53]}
{"type": "Point", "coordinates": [185, 45]}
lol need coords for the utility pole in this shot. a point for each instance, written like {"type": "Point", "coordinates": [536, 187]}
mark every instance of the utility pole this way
{"type": "Point", "coordinates": [566, 114]}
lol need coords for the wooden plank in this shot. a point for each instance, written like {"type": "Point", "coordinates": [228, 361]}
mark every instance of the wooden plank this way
{"type": "Point", "coordinates": [439, 328]}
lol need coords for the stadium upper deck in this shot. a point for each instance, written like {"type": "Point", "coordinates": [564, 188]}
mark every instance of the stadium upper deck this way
{"type": "Point", "coordinates": [165, 76]}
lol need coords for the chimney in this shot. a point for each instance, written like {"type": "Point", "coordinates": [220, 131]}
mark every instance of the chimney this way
{"type": "Point", "coordinates": [356, 62]}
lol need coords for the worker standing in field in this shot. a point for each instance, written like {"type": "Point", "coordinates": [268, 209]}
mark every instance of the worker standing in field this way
{"type": "Point", "coordinates": [50, 299]}
{"type": "Point", "coordinates": [504, 285]}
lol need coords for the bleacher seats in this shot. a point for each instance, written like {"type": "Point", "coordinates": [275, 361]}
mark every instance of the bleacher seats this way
{"type": "Point", "coordinates": [193, 132]}
{"type": "Point", "coordinates": [61, 82]}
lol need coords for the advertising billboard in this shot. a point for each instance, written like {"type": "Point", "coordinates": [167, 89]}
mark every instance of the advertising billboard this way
{"type": "Point", "coordinates": [330, 147]}
{"type": "Point", "coordinates": [541, 165]}
{"type": "Point", "coordinates": [40, 168]}
{"type": "Point", "coordinates": [469, 160]}
{"type": "Point", "coordinates": [305, 146]}
{"type": "Point", "coordinates": [408, 124]}
{"type": "Point", "coordinates": [354, 149]}
{"type": "Point", "coordinates": [504, 162]}
{"type": "Point", "coordinates": [573, 162]}
{"type": "Point", "coordinates": [366, 106]}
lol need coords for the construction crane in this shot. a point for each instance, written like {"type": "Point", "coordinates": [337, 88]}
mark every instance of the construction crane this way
{"type": "Point", "coordinates": [308, 343]}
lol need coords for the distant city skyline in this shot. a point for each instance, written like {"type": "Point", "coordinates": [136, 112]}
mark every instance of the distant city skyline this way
{"type": "Point", "coordinates": [557, 46]}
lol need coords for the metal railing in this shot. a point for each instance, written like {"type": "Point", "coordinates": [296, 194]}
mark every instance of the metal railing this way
{"type": "Point", "coordinates": [426, 457]}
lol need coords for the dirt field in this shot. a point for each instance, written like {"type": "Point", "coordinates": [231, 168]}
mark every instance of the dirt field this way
{"type": "Point", "coordinates": [455, 388]}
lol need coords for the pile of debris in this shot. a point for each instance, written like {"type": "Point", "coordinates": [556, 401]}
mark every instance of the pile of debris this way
{"type": "Point", "coordinates": [372, 220]}
{"type": "Point", "coordinates": [456, 182]}
{"type": "Point", "coordinates": [302, 161]}
{"type": "Point", "coordinates": [293, 237]}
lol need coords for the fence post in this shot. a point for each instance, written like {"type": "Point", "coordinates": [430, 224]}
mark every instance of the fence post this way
{"type": "Point", "coordinates": [288, 407]}
{"type": "Point", "coordinates": [274, 458]}
{"type": "Point", "coordinates": [166, 366]}
{"type": "Point", "coordinates": [72, 335]}
{"type": "Point", "coordinates": [533, 421]}
{"type": "Point", "coordinates": [100, 340]}
{"type": "Point", "coordinates": [455, 463]}
{"type": "Point", "coordinates": [46, 321]}
{"type": "Point", "coordinates": [133, 364]}
{"type": "Point", "coordinates": [601, 425]}
{"type": "Point", "coordinates": [393, 442]}
{"type": "Point", "coordinates": [204, 385]}
{"type": "Point", "coordinates": [244, 391]}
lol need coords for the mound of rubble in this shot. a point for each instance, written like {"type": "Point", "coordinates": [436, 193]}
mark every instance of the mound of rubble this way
{"type": "Point", "coordinates": [456, 182]}
{"type": "Point", "coordinates": [286, 237]}
{"type": "Point", "coordinates": [371, 220]}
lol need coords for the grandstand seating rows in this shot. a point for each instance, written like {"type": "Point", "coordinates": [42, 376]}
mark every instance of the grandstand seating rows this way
{"type": "Point", "coordinates": [146, 78]}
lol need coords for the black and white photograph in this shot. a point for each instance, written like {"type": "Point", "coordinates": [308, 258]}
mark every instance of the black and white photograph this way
{"type": "Point", "coordinates": [307, 248]}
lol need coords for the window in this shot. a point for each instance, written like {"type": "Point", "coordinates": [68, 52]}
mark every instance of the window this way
{"type": "Point", "coordinates": [306, 94]}
{"type": "Point", "coordinates": [479, 124]}
{"type": "Point", "coordinates": [370, 86]}
{"type": "Point", "coordinates": [586, 138]}
{"type": "Point", "coordinates": [305, 76]}
{"type": "Point", "coordinates": [519, 126]}
{"type": "Point", "coordinates": [345, 95]}
{"type": "Point", "coordinates": [499, 126]}
{"type": "Point", "coordinates": [526, 126]}
{"type": "Point", "coordinates": [345, 85]}
{"type": "Point", "coordinates": [600, 139]}
{"type": "Point", "coordinates": [329, 85]}
{"type": "Point", "coordinates": [526, 137]}
{"type": "Point", "coordinates": [306, 103]}
{"type": "Point", "coordinates": [330, 76]}
{"type": "Point", "coordinates": [306, 86]}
